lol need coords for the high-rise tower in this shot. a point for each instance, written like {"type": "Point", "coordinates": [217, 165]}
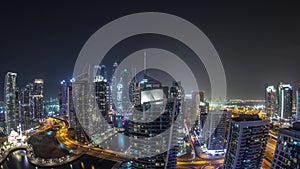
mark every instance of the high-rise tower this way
{"type": "Point", "coordinates": [10, 89]}
{"type": "Point", "coordinates": [285, 103]}
{"type": "Point", "coordinates": [155, 111]}
{"type": "Point", "coordinates": [271, 101]}
{"type": "Point", "coordinates": [247, 142]}
{"type": "Point", "coordinates": [38, 100]}
{"type": "Point", "coordinates": [297, 118]}
{"type": "Point", "coordinates": [288, 148]}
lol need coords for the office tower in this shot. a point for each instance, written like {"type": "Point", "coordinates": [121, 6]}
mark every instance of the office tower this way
{"type": "Point", "coordinates": [149, 119]}
{"type": "Point", "coordinates": [51, 107]}
{"type": "Point", "coordinates": [2, 117]}
{"type": "Point", "coordinates": [176, 91]}
{"type": "Point", "coordinates": [63, 98]}
{"type": "Point", "coordinates": [247, 142]}
{"type": "Point", "coordinates": [80, 89]}
{"type": "Point", "coordinates": [104, 72]}
{"type": "Point", "coordinates": [203, 108]}
{"type": "Point", "coordinates": [10, 90]}
{"type": "Point", "coordinates": [26, 100]}
{"type": "Point", "coordinates": [202, 104]}
{"type": "Point", "coordinates": [189, 111]}
{"type": "Point", "coordinates": [18, 112]}
{"type": "Point", "coordinates": [114, 87]}
{"type": "Point", "coordinates": [2, 113]}
{"type": "Point", "coordinates": [195, 107]}
{"type": "Point", "coordinates": [87, 111]}
{"type": "Point", "coordinates": [297, 104]}
{"type": "Point", "coordinates": [38, 100]}
{"type": "Point", "coordinates": [119, 91]}
{"type": "Point", "coordinates": [38, 87]}
{"type": "Point", "coordinates": [102, 90]}
{"type": "Point", "coordinates": [287, 153]}
{"type": "Point", "coordinates": [101, 95]}
{"type": "Point", "coordinates": [218, 122]}
{"type": "Point", "coordinates": [67, 109]}
{"type": "Point", "coordinates": [285, 101]}
{"type": "Point", "coordinates": [270, 101]}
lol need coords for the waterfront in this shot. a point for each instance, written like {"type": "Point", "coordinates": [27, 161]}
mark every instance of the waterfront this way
{"type": "Point", "coordinates": [18, 160]}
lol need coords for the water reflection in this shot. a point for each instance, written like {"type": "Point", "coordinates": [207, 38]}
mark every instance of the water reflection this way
{"type": "Point", "coordinates": [18, 160]}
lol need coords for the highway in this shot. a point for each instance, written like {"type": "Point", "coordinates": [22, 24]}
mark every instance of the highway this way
{"type": "Point", "coordinates": [78, 148]}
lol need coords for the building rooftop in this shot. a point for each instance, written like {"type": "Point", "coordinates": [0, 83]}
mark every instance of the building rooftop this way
{"type": "Point", "coordinates": [293, 131]}
{"type": "Point", "coordinates": [247, 117]}
{"type": "Point", "coordinates": [296, 126]}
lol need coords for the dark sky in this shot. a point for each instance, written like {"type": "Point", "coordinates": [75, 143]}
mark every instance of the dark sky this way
{"type": "Point", "coordinates": [258, 42]}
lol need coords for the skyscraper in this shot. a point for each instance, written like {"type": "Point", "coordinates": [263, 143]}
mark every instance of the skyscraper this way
{"type": "Point", "coordinates": [38, 100]}
{"type": "Point", "coordinates": [248, 137]}
{"type": "Point", "coordinates": [87, 110]}
{"type": "Point", "coordinates": [218, 122]}
{"type": "Point", "coordinates": [297, 118]}
{"type": "Point", "coordinates": [101, 95]}
{"type": "Point", "coordinates": [271, 101]}
{"type": "Point", "coordinates": [203, 107]}
{"type": "Point", "coordinates": [287, 153]}
{"type": "Point", "coordinates": [26, 101]}
{"type": "Point", "coordinates": [150, 119]}
{"type": "Point", "coordinates": [114, 87]}
{"type": "Point", "coordinates": [285, 103]}
{"type": "Point", "coordinates": [67, 109]}
{"type": "Point", "coordinates": [10, 90]}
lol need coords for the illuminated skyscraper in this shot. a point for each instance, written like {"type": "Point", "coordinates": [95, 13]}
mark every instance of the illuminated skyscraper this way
{"type": "Point", "coordinates": [176, 91]}
{"type": "Point", "coordinates": [66, 106]}
{"type": "Point", "coordinates": [248, 137]}
{"type": "Point", "coordinates": [297, 104]}
{"type": "Point", "coordinates": [2, 113]}
{"type": "Point", "coordinates": [271, 101]}
{"type": "Point", "coordinates": [26, 101]}
{"type": "Point", "coordinates": [67, 109]}
{"type": "Point", "coordinates": [101, 95]}
{"type": "Point", "coordinates": [285, 103]}
{"type": "Point", "coordinates": [80, 89]}
{"type": "Point", "coordinates": [18, 112]}
{"type": "Point", "coordinates": [10, 90]}
{"type": "Point", "coordinates": [114, 86]}
{"type": "Point", "coordinates": [63, 95]}
{"type": "Point", "coordinates": [86, 107]}
{"type": "Point", "coordinates": [287, 153]}
{"type": "Point", "coordinates": [149, 120]}
{"type": "Point", "coordinates": [218, 124]}
{"type": "Point", "coordinates": [38, 100]}
{"type": "Point", "coordinates": [203, 108]}
{"type": "Point", "coordinates": [189, 109]}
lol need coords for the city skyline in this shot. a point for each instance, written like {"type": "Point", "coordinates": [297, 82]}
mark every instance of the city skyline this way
{"type": "Point", "coordinates": [254, 41]}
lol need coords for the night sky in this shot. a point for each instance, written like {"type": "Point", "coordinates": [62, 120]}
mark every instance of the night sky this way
{"type": "Point", "coordinates": [257, 42]}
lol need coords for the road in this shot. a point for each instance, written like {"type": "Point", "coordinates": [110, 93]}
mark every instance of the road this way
{"type": "Point", "coordinates": [79, 148]}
